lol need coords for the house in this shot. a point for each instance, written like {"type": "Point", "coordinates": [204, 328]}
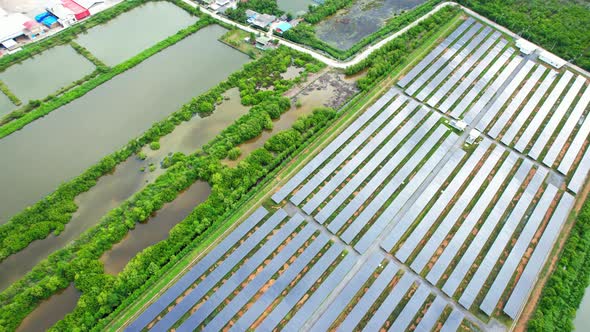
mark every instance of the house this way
{"type": "Point", "coordinates": [262, 43]}
{"type": "Point", "coordinates": [33, 29]}
{"type": "Point", "coordinates": [283, 27]}
{"type": "Point", "coordinates": [263, 20]}
{"type": "Point", "coordinates": [93, 6]}
{"type": "Point", "coordinates": [65, 17]}
{"type": "Point", "coordinates": [473, 136]}
{"type": "Point", "coordinates": [80, 12]}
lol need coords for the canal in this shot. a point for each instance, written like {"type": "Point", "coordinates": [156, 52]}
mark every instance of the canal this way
{"type": "Point", "coordinates": [63, 144]}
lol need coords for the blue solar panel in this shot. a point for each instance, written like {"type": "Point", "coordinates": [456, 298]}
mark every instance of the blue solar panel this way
{"type": "Point", "coordinates": [297, 292]}
{"type": "Point", "coordinates": [390, 303]}
{"type": "Point", "coordinates": [365, 302]}
{"type": "Point", "coordinates": [343, 299]}
{"type": "Point", "coordinates": [406, 316]}
{"type": "Point", "coordinates": [227, 265]}
{"type": "Point", "coordinates": [237, 278]}
{"type": "Point", "coordinates": [537, 260]}
{"type": "Point", "coordinates": [152, 311]}
{"type": "Point", "coordinates": [432, 315]}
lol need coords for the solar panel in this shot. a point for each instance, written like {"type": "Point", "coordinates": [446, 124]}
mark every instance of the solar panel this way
{"type": "Point", "coordinates": [452, 64]}
{"type": "Point", "coordinates": [441, 203]}
{"type": "Point", "coordinates": [432, 315]}
{"type": "Point", "coordinates": [420, 81]}
{"type": "Point", "coordinates": [346, 152]}
{"type": "Point", "coordinates": [355, 162]}
{"type": "Point", "coordinates": [481, 84]}
{"type": "Point", "coordinates": [581, 173]}
{"type": "Point", "coordinates": [502, 98]}
{"type": "Point", "coordinates": [540, 115]}
{"type": "Point", "coordinates": [214, 277]}
{"type": "Point", "coordinates": [462, 71]}
{"type": "Point", "coordinates": [400, 200]}
{"type": "Point", "coordinates": [204, 264]}
{"type": "Point", "coordinates": [475, 73]}
{"type": "Point", "coordinates": [297, 292]}
{"type": "Point", "coordinates": [343, 299]}
{"type": "Point", "coordinates": [453, 322]}
{"type": "Point", "coordinates": [537, 260]}
{"type": "Point", "coordinates": [527, 109]}
{"type": "Point", "coordinates": [370, 296]}
{"type": "Point", "coordinates": [390, 303]}
{"type": "Point", "coordinates": [310, 167]}
{"type": "Point", "coordinates": [381, 175]}
{"type": "Point", "coordinates": [266, 299]}
{"type": "Point", "coordinates": [435, 53]}
{"type": "Point", "coordinates": [556, 118]}
{"type": "Point", "coordinates": [488, 263]}
{"type": "Point", "coordinates": [575, 147]}
{"type": "Point", "coordinates": [457, 211]}
{"type": "Point", "coordinates": [253, 286]}
{"type": "Point", "coordinates": [516, 102]}
{"type": "Point", "coordinates": [314, 301]}
{"type": "Point", "coordinates": [406, 316]}
{"type": "Point", "coordinates": [518, 249]}
{"type": "Point", "coordinates": [572, 119]}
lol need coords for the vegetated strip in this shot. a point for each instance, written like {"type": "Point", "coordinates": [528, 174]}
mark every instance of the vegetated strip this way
{"type": "Point", "coordinates": [13, 98]}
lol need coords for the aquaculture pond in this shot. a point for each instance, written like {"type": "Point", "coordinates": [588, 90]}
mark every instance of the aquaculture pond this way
{"type": "Point", "coordinates": [119, 119]}
{"type": "Point", "coordinates": [295, 7]}
{"type": "Point", "coordinates": [135, 31]}
{"type": "Point", "coordinates": [45, 73]}
{"type": "Point", "coordinates": [5, 105]}
{"type": "Point", "coordinates": [50, 311]}
{"type": "Point", "coordinates": [582, 320]}
{"type": "Point", "coordinates": [364, 17]}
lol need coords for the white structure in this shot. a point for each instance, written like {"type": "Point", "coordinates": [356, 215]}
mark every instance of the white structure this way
{"type": "Point", "coordinates": [12, 26]}
{"type": "Point", "coordinates": [526, 46]}
{"type": "Point", "coordinates": [459, 125]}
{"type": "Point", "coordinates": [474, 134]}
{"type": "Point", "coordinates": [93, 6]}
{"type": "Point", "coordinates": [65, 17]}
{"type": "Point", "coordinates": [552, 60]}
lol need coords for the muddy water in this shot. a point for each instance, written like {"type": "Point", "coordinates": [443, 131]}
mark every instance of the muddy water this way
{"type": "Point", "coordinates": [69, 140]}
{"type": "Point", "coordinates": [364, 17]}
{"type": "Point", "coordinates": [111, 190]}
{"type": "Point", "coordinates": [155, 229]}
{"type": "Point", "coordinates": [50, 311]}
{"type": "Point", "coordinates": [44, 74]}
{"type": "Point", "coordinates": [135, 31]}
{"type": "Point", "coordinates": [5, 105]}
{"type": "Point", "coordinates": [295, 7]}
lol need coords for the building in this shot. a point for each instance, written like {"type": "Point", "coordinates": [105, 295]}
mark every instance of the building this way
{"type": "Point", "coordinates": [552, 60]}
{"type": "Point", "coordinates": [33, 29]}
{"type": "Point", "coordinates": [12, 26]}
{"type": "Point", "coordinates": [525, 46]}
{"type": "Point", "coordinates": [79, 11]}
{"type": "Point", "coordinates": [64, 16]}
{"type": "Point", "coordinates": [459, 125]}
{"type": "Point", "coordinates": [473, 136]}
{"type": "Point", "coordinates": [283, 27]}
{"type": "Point", "coordinates": [263, 20]}
{"type": "Point", "coordinates": [262, 42]}
{"type": "Point", "coordinates": [93, 6]}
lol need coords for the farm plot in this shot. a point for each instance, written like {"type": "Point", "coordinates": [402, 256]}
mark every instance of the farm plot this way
{"type": "Point", "coordinates": [519, 100]}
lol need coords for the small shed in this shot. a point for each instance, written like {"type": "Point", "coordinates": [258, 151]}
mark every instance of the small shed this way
{"type": "Point", "coordinates": [459, 125]}
{"type": "Point", "coordinates": [473, 136]}
{"type": "Point", "coordinates": [283, 27]}
{"type": "Point", "coordinates": [10, 44]}
{"type": "Point", "coordinates": [552, 60]}
{"type": "Point", "coordinates": [262, 42]}
{"type": "Point", "coordinates": [525, 46]}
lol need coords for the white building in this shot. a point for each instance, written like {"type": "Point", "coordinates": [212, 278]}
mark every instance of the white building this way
{"type": "Point", "coordinates": [473, 136]}
{"type": "Point", "coordinates": [525, 46]}
{"type": "Point", "coordinates": [12, 26]}
{"type": "Point", "coordinates": [552, 60]}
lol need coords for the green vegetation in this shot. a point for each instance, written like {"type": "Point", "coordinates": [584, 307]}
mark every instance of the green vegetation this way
{"type": "Point", "coordinates": [101, 66]}
{"type": "Point", "coordinates": [155, 145]}
{"type": "Point", "coordinates": [13, 98]}
{"type": "Point", "coordinates": [563, 292]}
{"type": "Point", "coordinates": [557, 25]}
{"type": "Point", "coordinates": [304, 33]}
{"type": "Point", "coordinates": [234, 153]}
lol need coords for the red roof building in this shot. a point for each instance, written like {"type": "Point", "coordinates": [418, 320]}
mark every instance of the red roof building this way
{"type": "Point", "coordinates": [79, 11]}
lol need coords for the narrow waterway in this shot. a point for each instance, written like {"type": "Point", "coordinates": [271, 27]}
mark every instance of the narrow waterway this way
{"type": "Point", "coordinates": [135, 31]}
{"type": "Point", "coordinates": [50, 311]}
{"type": "Point", "coordinates": [63, 144]}
{"type": "Point", "coordinates": [156, 228]}
{"type": "Point", "coordinates": [45, 73]}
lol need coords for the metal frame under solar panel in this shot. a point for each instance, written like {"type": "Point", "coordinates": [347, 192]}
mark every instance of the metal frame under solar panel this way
{"type": "Point", "coordinates": [464, 200]}
{"type": "Point", "coordinates": [344, 297]}
{"type": "Point", "coordinates": [203, 265]}
{"type": "Point", "coordinates": [556, 118]}
{"type": "Point", "coordinates": [253, 286]}
{"type": "Point", "coordinates": [432, 315]}
{"type": "Point", "coordinates": [441, 203]}
{"type": "Point", "coordinates": [503, 97]}
{"type": "Point", "coordinates": [216, 275]}
{"type": "Point", "coordinates": [406, 316]}
{"type": "Point", "coordinates": [390, 303]}
{"type": "Point", "coordinates": [369, 297]}
{"type": "Point", "coordinates": [266, 299]}
{"type": "Point", "coordinates": [526, 111]}
{"type": "Point", "coordinates": [400, 200]}
{"type": "Point", "coordinates": [435, 53]}
{"type": "Point", "coordinates": [297, 292]}
{"type": "Point", "coordinates": [540, 115]}
{"type": "Point", "coordinates": [473, 75]}
{"type": "Point", "coordinates": [453, 322]}
{"type": "Point", "coordinates": [518, 249]}
{"type": "Point", "coordinates": [463, 69]}
{"type": "Point", "coordinates": [572, 120]}
{"type": "Point", "coordinates": [581, 173]}
{"type": "Point", "coordinates": [358, 159]}
{"type": "Point", "coordinates": [333, 146]}
{"type": "Point", "coordinates": [538, 258]}
{"type": "Point", "coordinates": [382, 175]}
{"type": "Point", "coordinates": [320, 294]}
{"type": "Point", "coordinates": [481, 84]}
{"type": "Point", "coordinates": [516, 102]}
{"type": "Point", "coordinates": [497, 247]}
{"type": "Point", "coordinates": [492, 89]}
{"type": "Point", "coordinates": [452, 50]}
{"type": "Point", "coordinates": [272, 245]}
{"type": "Point", "coordinates": [348, 150]}
{"type": "Point", "coordinates": [446, 71]}
{"type": "Point", "coordinates": [368, 168]}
